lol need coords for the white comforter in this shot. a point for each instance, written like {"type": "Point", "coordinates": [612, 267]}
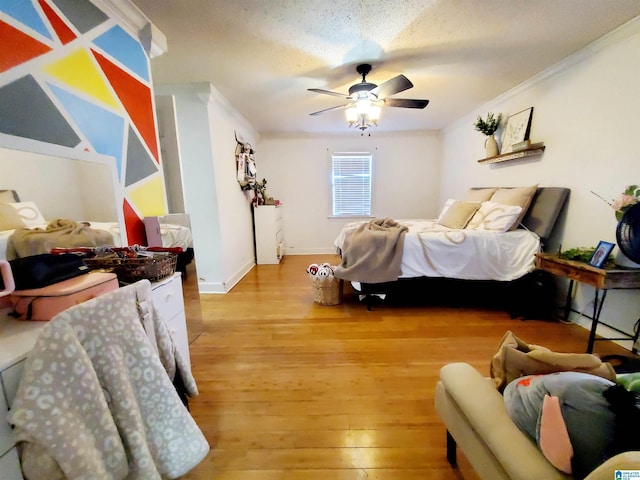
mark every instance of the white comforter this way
{"type": "Point", "coordinates": [431, 250]}
{"type": "Point", "coordinates": [172, 235]}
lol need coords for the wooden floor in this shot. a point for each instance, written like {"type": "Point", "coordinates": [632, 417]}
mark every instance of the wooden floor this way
{"type": "Point", "coordinates": [292, 390]}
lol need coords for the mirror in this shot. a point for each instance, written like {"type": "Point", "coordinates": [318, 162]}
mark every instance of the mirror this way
{"type": "Point", "coordinates": [63, 183]}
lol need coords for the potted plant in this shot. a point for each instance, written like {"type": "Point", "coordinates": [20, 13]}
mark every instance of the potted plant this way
{"type": "Point", "coordinates": [488, 127]}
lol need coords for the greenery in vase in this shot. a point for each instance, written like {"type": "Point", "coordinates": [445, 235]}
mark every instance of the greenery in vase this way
{"type": "Point", "coordinates": [489, 125]}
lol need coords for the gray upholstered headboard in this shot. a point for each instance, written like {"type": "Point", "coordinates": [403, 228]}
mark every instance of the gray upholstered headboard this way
{"type": "Point", "coordinates": [545, 208]}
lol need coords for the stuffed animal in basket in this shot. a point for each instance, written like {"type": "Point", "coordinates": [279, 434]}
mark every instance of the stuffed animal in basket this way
{"type": "Point", "coordinates": [312, 269]}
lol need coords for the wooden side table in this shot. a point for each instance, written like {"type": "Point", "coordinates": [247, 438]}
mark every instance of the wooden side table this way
{"type": "Point", "coordinates": [602, 279]}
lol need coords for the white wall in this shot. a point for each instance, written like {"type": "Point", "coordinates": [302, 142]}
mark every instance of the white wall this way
{"type": "Point", "coordinates": [406, 172]}
{"type": "Point", "coordinates": [586, 111]}
{"type": "Point", "coordinates": [220, 212]}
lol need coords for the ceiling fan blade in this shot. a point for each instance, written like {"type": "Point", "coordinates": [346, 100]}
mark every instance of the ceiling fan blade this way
{"type": "Point", "coordinates": [391, 87]}
{"type": "Point", "coordinates": [405, 103]}
{"type": "Point", "coordinates": [327, 92]}
{"type": "Point", "coordinates": [328, 109]}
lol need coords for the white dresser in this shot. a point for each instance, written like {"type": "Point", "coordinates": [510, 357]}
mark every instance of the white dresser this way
{"type": "Point", "coordinates": [269, 234]}
{"type": "Point", "coordinates": [17, 338]}
{"type": "Point", "coordinates": [168, 298]}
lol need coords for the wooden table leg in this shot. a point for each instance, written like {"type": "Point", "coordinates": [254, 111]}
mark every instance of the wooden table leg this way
{"type": "Point", "coordinates": [568, 302]}
{"type": "Point", "coordinates": [597, 308]}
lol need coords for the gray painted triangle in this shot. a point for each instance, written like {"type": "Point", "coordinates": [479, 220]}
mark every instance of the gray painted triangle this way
{"type": "Point", "coordinates": [139, 163]}
{"type": "Point", "coordinates": [26, 111]}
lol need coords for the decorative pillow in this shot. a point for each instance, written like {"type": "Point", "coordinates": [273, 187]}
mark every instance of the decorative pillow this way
{"type": "Point", "coordinates": [584, 412]}
{"type": "Point", "coordinates": [9, 218]}
{"type": "Point", "coordinates": [518, 196]}
{"type": "Point", "coordinates": [495, 217]}
{"type": "Point", "coordinates": [458, 214]}
{"type": "Point", "coordinates": [445, 207]}
{"type": "Point", "coordinates": [516, 358]}
{"type": "Point", "coordinates": [7, 196]}
{"type": "Point", "coordinates": [480, 194]}
{"type": "Point", "coordinates": [29, 213]}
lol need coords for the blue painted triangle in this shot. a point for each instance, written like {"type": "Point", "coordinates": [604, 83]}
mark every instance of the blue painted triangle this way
{"type": "Point", "coordinates": [124, 48]}
{"type": "Point", "coordinates": [24, 12]}
{"type": "Point", "coordinates": [103, 129]}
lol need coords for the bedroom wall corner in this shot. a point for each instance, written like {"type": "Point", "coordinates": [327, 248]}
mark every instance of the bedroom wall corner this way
{"type": "Point", "coordinates": [222, 225]}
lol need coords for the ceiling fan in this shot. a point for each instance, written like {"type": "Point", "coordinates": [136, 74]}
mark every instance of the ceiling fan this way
{"type": "Point", "coordinates": [366, 99]}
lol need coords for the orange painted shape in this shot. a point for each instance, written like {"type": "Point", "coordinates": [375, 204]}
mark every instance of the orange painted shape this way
{"type": "Point", "coordinates": [65, 34]}
{"type": "Point", "coordinates": [18, 47]}
{"type": "Point", "coordinates": [136, 99]}
{"type": "Point", "coordinates": [136, 234]}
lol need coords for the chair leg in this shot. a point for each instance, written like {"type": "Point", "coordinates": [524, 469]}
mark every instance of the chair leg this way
{"type": "Point", "coordinates": [451, 450]}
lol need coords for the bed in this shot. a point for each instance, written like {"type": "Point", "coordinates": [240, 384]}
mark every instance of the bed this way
{"type": "Point", "coordinates": [491, 235]}
{"type": "Point", "coordinates": [15, 214]}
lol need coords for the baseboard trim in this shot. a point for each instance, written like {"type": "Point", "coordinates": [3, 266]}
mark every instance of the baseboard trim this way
{"type": "Point", "coordinates": [224, 287]}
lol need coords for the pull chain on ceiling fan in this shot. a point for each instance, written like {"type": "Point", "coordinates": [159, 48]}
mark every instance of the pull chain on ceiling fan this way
{"type": "Point", "coordinates": [367, 99]}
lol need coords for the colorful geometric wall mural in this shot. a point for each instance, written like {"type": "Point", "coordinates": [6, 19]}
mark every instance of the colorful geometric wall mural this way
{"type": "Point", "coordinates": [71, 76]}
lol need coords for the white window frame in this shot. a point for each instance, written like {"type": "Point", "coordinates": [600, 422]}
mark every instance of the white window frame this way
{"type": "Point", "coordinates": [351, 198]}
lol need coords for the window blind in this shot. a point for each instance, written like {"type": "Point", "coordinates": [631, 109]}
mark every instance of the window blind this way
{"type": "Point", "coordinates": [351, 184]}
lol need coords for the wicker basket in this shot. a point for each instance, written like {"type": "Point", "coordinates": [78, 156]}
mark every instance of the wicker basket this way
{"type": "Point", "coordinates": [327, 290]}
{"type": "Point", "coordinates": [131, 269]}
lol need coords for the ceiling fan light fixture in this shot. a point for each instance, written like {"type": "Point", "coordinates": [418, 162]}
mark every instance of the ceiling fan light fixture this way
{"type": "Point", "coordinates": [352, 115]}
{"type": "Point", "coordinates": [366, 99]}
{"type": "Point", "coordinates": [374, 113]}
{"type": "Point", "coordinates": [363, 106]}
{"type": "Point", "coordinates": [363, 114]}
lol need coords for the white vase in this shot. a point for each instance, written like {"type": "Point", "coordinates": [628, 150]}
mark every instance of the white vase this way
{"type": "Point", "coordinates": [622, 260]}
{"type": "Point", "coordinates": [491, 146]}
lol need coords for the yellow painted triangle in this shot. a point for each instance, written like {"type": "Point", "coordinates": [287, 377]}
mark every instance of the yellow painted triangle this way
{"type": "Point", "coordinates": [149, 198]}
{"type": "Point", "coordinates": [79, 71]}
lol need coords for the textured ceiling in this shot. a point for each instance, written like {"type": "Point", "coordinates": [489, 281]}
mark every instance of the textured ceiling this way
{"type": "Point", "coordinates": [263, 55]}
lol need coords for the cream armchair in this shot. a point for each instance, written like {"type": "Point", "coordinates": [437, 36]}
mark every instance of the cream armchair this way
{"type": "Point", "coordinates": [476, 419]}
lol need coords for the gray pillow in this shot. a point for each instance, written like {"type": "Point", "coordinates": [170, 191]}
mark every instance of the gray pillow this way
{"type": "Point", "coordinates": [587, 414]}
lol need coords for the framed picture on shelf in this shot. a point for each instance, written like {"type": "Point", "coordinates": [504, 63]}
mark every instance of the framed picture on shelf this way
{"type": "Point", "coordinates": [601, 253]}
{"type": "Point", "coordinates": [516, 130]}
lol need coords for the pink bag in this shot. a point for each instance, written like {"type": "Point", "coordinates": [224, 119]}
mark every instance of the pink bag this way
{"type": "Point", "coordinates": [46, 302]}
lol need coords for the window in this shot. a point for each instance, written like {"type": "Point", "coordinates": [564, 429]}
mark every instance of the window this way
{"type": "Point", "coordinates": [351, 184]}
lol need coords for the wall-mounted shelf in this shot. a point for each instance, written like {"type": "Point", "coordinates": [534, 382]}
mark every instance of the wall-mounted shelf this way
{"type": "Point", "coordinates": [513, 155]}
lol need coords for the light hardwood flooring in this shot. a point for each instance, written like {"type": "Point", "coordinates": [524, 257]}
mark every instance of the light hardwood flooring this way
{"type": "Point", "coordinates": [293, 390]}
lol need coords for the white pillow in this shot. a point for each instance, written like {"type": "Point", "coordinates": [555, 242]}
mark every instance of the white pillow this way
{"type": "Point", "coordinates": [495, 217]}
{"type": "Point", "coordinates": [445, 207]}
{"type": "Point", "coordinates": [30, 214]}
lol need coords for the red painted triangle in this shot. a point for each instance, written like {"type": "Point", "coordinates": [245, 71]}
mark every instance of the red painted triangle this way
{"type": "Point", "coordinates": [136, 234]}
{"type": "Point", "coordinates": [65, 34]}
{"type": "Point", "coordinates": [137, 101]}
{"type": "Point", "coordinates": [18, 47]}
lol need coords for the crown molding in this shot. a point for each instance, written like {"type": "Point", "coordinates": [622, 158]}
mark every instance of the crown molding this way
{"type": "Point", "coordinates": [207, 94]}
{"type": "Point", "coordinates": [131, 18]}
{"type": "Point", "coordinates": [616, 36]}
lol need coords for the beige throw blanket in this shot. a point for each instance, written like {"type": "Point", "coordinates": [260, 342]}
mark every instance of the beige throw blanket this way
{"type": "Point", "coordinates": [373, 252]}
{"type": "Point", "coordinates": [25, 242]}
{"type": "Point", "coordinates": [95, 401]}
